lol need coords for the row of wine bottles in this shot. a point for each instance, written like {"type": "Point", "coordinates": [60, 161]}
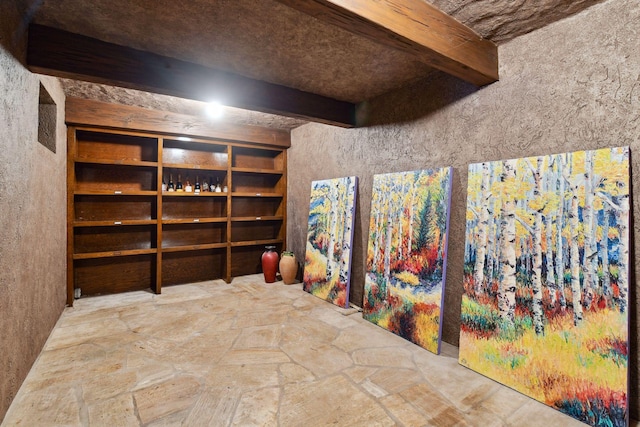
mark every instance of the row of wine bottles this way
{"type": "Point", "coordinates": [207, 186]}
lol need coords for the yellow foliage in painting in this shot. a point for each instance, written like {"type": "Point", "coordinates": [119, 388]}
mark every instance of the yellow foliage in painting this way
{"type": "Point", "coordinates": [537, 203]}
{"type": "Point", "coordinates": [578, 161]}
{"type": "Point", "coordinates": [569, 354]}
{"type": "Point", "coordinates": [315, 264]}
{"type": "Point", "coordinates": [471, 215]}
{"type": "Point", "coordinates": [408, 277]}
{"type": "Point", "coordinates": [427, 329]}
{"type": "Point", "coordinates": [612, 171]}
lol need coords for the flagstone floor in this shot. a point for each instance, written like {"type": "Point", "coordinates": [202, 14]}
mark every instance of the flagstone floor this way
{"type": "Point", "coordinates": [250, 353]}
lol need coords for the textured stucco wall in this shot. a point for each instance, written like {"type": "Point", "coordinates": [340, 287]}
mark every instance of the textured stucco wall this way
{"type": "Point", "coordinates": [32, 212]}
{"type": "Point", "coordinates": [570, 86]}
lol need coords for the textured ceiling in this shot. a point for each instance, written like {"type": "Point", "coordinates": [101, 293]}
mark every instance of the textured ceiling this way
{"type": "Point", "coordinates": [267, 41]}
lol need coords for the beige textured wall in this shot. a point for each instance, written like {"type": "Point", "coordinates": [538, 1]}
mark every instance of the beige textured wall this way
{"type": "Point", "coordinates": [32, 212]}
{"type": "Point", "coordinates": [573, 85]}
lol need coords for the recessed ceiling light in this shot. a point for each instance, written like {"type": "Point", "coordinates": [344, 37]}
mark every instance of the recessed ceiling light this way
{"type": "Point", "coordinates": [184, 138]}
{"type": "Point", "coordinates": [214, 109]}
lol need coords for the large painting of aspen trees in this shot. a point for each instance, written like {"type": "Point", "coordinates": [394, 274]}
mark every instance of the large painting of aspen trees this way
{"type": "Point", "coordinates": [545, 304]}
{"type": "Point", "coordinates": [406, 254]}
{"type": "Point", "coordinates": [327, 267]}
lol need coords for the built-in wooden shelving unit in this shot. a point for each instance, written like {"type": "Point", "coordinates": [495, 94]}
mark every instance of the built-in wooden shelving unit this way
{"type": "Point", "coordinates": [125, 233]}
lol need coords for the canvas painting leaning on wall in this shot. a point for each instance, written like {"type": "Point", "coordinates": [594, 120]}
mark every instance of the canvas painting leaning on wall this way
{"type": "Point", "coordinates": [546, 283]}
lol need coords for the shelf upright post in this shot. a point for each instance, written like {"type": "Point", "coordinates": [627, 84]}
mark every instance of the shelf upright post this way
{"type": "Point", "coordinates": [71, 179]}
{"type": "Point", "coordinates": [158, 285]}
{"type": "Point", "coordinates": [227, 272]}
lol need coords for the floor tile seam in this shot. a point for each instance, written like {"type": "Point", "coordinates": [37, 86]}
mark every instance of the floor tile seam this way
{"type": "Point", "coordinates": [128, 393]}
{"type": "Point", "coordinates": [201, 389]}
{"type": "Point", "coordinates": [136, 410]}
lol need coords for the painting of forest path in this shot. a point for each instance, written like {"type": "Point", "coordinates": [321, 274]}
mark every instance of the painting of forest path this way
{"type": "Point", "coordinates": [327, 266]}
{"type": "Point", "coordinates": [406, 254]}
{"type": "Point", "coordinates": [545, 303]}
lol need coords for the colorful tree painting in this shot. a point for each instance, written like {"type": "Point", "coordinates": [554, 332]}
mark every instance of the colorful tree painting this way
{"type": "Point", "coordinates": [406, 254]}
{"type": "Point", "coordinates": [329, 238]}
{"type": "Point", "coordinates": [544, 309]}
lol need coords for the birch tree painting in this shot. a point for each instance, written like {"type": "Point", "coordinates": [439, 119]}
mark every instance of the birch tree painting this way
{"type": "Point", "coordinates": [406, 254]}
{"type": "Point", "coordinates": [545, 303]}
{"type": "Point", "coordinates": [329, 239]}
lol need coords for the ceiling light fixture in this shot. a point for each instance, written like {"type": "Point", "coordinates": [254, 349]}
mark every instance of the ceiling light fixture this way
{"type": "Point", "coordinates": [214, 109]}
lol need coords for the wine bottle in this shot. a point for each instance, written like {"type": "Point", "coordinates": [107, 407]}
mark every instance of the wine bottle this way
{"type": "Point", "coordinates": [196, 188]}
{"type": "Point", "coordinates": [170, 187]}
{"type": "Point", "coordinates": [218, 189]}
{"type": "Point", "coordinates": [164, 184]}
{"type": "Point", "coordinates": [205, 186]}
{"type": "Point", "coordinates": [179, 184]}
{"type": "Point", "coordinates": [188, 187]}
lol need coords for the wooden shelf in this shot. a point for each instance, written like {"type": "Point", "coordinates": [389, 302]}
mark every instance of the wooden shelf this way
{"type": "Point", "coordinates": [130, 252]}
{"type": "Point", "coordinates": [257, 218]}
{"type": "Point", "coordinates": [124, 222]}
{"type": "Point", "coordinates": [194, 220]}
{"type": "Point", "coordinates": [191, 194]}
{"type": "Point", "coordinates": [256, 243]}
{"type": "Point", "coordinates": [116, 162]}
{"type": "Point", "coordinates": [115, 193]}
{"type": "Point", "coordinates": [265, 195]}
{"type": "Point", "coordinates": [194, 247]}
{"type": "Point", "coordinates": [258, 171]}
{"type": "Point", "coordinates": [190, 166]}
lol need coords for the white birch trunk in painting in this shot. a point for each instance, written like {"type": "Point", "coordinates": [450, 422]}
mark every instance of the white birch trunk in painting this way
{"type": "Point", "coordinates": [590, 249]}
{"type": "Point", "coordinates": [376, 242]}
{"type": "Point", "coordinates": [507, 287]}
{"type": "Point", "coordinates": [389, 240]}
{"type": "Point", "coordinates": [550, 282]}
{"type": "Point", "coordinates": [414, 184]}
{"type": "Point", "coordinates": [604, 253]}
{"type": "Point", "coordinates": [622, 217]}
{"type": "Point", "coordinates": [493, 237]}
{"type": "Point", "coordinates": [574, 254]}
{"type": "Point", "coordinates": [550, 279]}
{"type": "Point", "coordinates": [483, 222]}
{"type": "Point", "coordinates": [559, 228]}
{"type": "Point", "coordinates": [333, 200]}
{"type": "Point", "coordinates": [401, 218]}
{"type": "Point", "coordinates": [387, 249]}
{"type": "Point", "coordinates": [536, 279]}
{"type": "Point", "coordinates": [622, 223]}
{"type": "Point", "coordinates": [345, 252]}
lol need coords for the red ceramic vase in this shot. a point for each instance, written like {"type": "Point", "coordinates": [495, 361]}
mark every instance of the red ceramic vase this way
{"type": "Point", "coordinates": [269, 264]}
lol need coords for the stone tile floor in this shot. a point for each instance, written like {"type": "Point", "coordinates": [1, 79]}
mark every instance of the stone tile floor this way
{"type": "Point", "coordinates": [250, 353]}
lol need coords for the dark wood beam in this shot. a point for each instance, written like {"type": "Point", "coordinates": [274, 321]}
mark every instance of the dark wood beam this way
{"type": "Point", "coordinates": [415, 27]}
{"type": "Point", "coordinates": [64, 54]}
{"type": "Point", "coordinates": [80, 111]}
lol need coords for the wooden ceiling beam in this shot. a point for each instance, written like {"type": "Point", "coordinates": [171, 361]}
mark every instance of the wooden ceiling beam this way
{"type": "Point", "coordinates": [415, 27]}
{"type": "Point", "coordinates": [63, 54]}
